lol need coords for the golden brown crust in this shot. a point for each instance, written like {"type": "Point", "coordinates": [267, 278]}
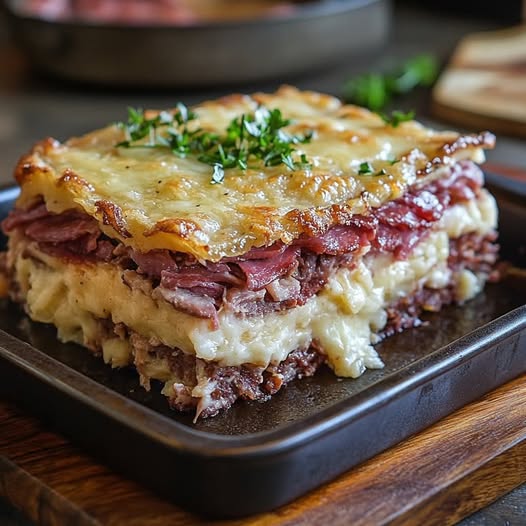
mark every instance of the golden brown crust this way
{"type": "Point", "coordinates": [153, 199]}
{"type": "Point", "coordinates": [71, 179]}
{"type": "Point", "coordinates": [112, 216]}
{"type": "Point", "coordinates": [179, 227]}
{"type": "Point", "coordinates": [481, 140]}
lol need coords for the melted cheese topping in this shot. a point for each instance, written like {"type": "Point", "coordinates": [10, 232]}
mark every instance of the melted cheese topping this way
{"type": "Point", "coordinates": [152, 199]}
{"type": "Point", "coordinates": [343, 317]}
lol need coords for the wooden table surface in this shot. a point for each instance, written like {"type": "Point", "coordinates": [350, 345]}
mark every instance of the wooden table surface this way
{"type": "Point", "coordinates": [438, 476]}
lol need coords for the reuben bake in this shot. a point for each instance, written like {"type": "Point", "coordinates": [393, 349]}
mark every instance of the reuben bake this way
{"type": "Point", "coordinates": [228, 249]}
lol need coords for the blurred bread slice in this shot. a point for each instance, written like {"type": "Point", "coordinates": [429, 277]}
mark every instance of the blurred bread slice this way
{"type": "Point", "coordinates": [484, 84]}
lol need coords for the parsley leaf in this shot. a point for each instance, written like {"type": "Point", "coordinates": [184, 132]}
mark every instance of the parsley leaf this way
{"type": "Point", "coordinates": [369, 90]}
{"type": "Point", "coordinates": [397, 117]}
{"type": "Point", "coordinates": [375, 90]}
{"type": "Point", "coordinates": [365, 168]}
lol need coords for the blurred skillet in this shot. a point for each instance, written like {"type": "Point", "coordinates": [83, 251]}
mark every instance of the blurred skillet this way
{"type": "Point", "coordinates": [200, 53]}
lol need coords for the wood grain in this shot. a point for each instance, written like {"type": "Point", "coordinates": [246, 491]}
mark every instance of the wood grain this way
{"type": "Point", "coordinates": [505, 170]}
{"type": "Point", "coordinates": [438, 476]}
{"type": "Point", "coordinates": [484, 84]}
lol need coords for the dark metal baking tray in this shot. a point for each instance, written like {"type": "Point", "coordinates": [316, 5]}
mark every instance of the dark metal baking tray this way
{"type": "Point", "coordinates": [258, 456]}
{"type": "Point", "coordinates": [314, 35]}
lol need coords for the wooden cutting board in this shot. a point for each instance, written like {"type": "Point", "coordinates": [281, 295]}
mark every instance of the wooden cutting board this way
{"type": "Point", "coordinates": [484, 84]}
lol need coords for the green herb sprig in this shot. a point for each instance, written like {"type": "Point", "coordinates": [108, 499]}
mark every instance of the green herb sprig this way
{"type": "Point", "coordinates": [397, 117]}
{"type": "Point", "coordinates": [366, 168]}
{"type": "Point", "coordinates": [375, 90]}
{"type": "Point", "coordinates": [248, 138]}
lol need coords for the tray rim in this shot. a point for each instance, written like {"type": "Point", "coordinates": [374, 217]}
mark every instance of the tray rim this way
{"type": "Point", "coordinates": [278, 460]}
{"type": "Point", "coordinates": [283, 438]}
{"type": "Point", "coordinates": [261, 443]}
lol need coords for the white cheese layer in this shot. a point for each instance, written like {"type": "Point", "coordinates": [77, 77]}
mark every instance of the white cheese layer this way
{"type": "Point", "coordinates": [343, 317]}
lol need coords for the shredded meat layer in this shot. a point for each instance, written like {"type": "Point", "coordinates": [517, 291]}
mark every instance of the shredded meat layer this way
{"type": "Point", "coordinates": [208, 388]}
{"type": "Point", "coordinates": [473, 252]}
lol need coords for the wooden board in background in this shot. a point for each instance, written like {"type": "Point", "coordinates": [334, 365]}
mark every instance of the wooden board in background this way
{"type": "Point", "coordinates": [484, 84]}
{"type": "Point", "coordinates": [438, 476]}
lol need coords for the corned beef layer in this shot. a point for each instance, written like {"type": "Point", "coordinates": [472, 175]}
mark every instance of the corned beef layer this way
{"type": "Point", "coordinates": [225, 385]}
{"type": "Point", "coordinates": [264, 279]}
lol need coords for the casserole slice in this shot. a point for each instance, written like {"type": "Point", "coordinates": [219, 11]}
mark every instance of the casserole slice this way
{"type": "Point", "coordinates": [224, 260]}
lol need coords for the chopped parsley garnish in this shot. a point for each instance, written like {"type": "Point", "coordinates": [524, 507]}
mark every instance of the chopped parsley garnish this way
{"type": "Point", "coordinates": [369, 90]}
{"type": "Point", "coordinates": [365, 168]}
{"type": "Point", "coordinates": [248, 138]}
{"type": "Point", "coordinates": [397, 117]}
{"type": "Point", "coordinates": [376, 90]}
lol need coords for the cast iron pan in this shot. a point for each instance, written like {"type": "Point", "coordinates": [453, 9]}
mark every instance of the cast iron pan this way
{"type": "Point", "coordinates": [315, 34]}
{"type": "Point", "coordinates": [258, 456]}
